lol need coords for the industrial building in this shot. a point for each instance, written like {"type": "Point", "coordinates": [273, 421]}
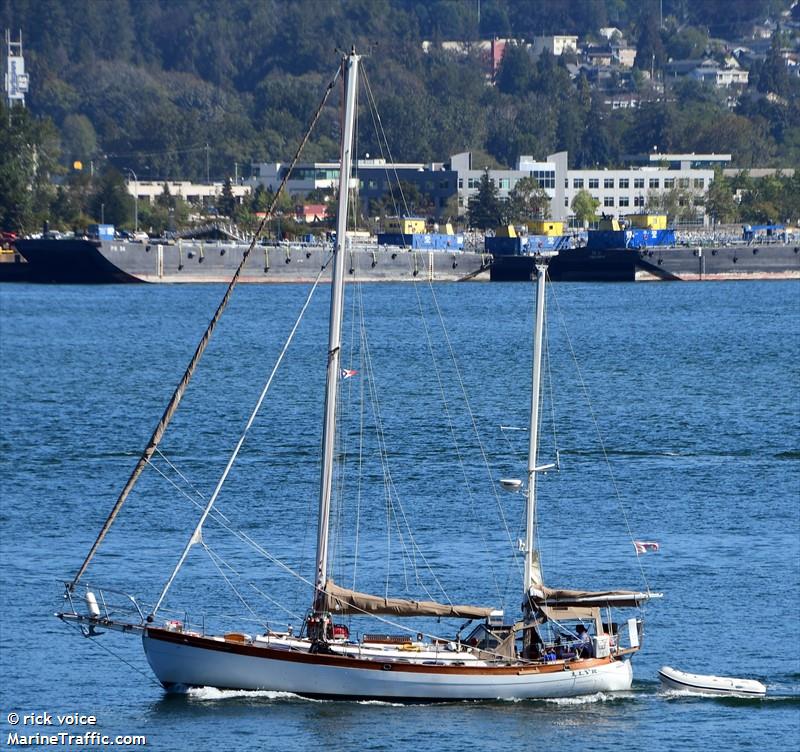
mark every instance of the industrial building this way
{"type": "Point", "coordinates": [618, 191]}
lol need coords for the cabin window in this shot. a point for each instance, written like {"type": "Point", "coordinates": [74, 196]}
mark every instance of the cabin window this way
{"type": "Point", "coordinates": [484, 639]}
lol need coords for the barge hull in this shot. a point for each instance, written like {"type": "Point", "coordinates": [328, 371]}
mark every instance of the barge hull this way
{"type": "Point", "coordinates": [658, 264]}
{"type": "Point", "coordinates": [99, 262]}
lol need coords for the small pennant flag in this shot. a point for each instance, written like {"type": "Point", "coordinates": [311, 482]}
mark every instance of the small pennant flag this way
{"type": "Point", "coordinates": [347, 373]}
{"type": "Point", "coordinates": [642, 547]}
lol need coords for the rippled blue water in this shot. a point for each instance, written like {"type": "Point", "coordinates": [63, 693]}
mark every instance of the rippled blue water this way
{"type": "Point", "coordinates": [696, 392]}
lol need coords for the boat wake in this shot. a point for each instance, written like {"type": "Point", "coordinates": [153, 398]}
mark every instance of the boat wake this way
{"type": "Point", "coordinates": [728, 699]}
{"type": "Point", "coordinates": [598, 697]}
{"type": "Point", "coordinates": [211, 694]}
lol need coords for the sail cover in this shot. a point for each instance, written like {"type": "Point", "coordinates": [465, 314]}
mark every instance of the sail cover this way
{"type": "Point", "coordinates": [344, 601]}
{"type": "Point", "coordinates": [556, 598]}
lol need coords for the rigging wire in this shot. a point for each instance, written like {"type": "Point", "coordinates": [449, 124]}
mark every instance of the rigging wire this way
{"type": "Point", "coordinates": [474, 423]}
{"type": "Point", "coordinates": [390, 490]}
{"type": "Point", "coordinates": [382, 139]}
{"type": "Point", "coordinates": [454, 438]}
{"type": "Point", "coordinates": [216, 561]}
{"type": "Point", "coordinates": [177, 395]}
{"type": "Point", "coordinates": [196, 535]}
{"type": "Point", "coordinates": [585, 390]}
{"type": "Point", "coordinates": [227, 524]}
{"type": "Point", "coordinates": [114, 654]}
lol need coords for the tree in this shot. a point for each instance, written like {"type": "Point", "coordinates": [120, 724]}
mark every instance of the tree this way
{"type": "Point", "coordinates": [720, 204]}
{"type": "Point", "coordinates": [650, 53]}
{"type": "Point", "coordinates": [486, 209]}
{"type": "Point", "coordinates": [28, 150]}
{"type": "Point", "coordinates": [71, 206]}
{"type": "Point", "coordinates": [677, 204]}
{"type": "Point", "coordinates": [773, 75]}
{"type": "Point", "coordinates": [687, 42]}
{"type": "Point", "coordinates": [227, 201]}
{"type": "Point", "coordinates": [259, 199]}
{"type": "Point", "coordinates": [166, 199]}
{"type": "Point", "coordinates": [516, 72]}
{"type": "Point", "coordinates": [599, 144]}
{"type": "Point", "coordinates": [765, 201]}
{"type": "Point", "coordinates": [79, 138]}
{"type": "Point", "coordinates": [404, 198]}
{"type": "Point", "coordinates": [111, 200]}
{"type": "Point", "coordinates": [584, 207]}
{"type": "Point", "coordinates": [528, 200]}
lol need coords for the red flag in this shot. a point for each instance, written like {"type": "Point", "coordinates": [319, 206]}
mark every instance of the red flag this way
{"type": "Point", "coordinates": [642, 547]}
{"type": "Point", "coordinates": [347, 373]}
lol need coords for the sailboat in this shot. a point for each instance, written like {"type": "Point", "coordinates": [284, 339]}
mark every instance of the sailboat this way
{"type": "Point", "coordinates": [562, 643]}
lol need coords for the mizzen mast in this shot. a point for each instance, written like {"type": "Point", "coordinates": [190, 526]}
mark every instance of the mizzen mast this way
{"type": "Point", "coordinates": [533, 573]}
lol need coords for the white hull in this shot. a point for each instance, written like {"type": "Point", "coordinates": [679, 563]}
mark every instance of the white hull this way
{"type": "Point", "coordinates": [706, 684]}
{"type": "Point", "coordinates": [197, 661]}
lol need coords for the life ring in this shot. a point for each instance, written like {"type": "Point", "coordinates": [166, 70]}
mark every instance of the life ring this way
{"type": "Point", "coordinates": [411, 647]}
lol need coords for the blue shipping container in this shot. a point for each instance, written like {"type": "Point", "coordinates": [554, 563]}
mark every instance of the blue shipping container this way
{"type": "Point", "coordinates": [428, 241]}
{"type": "Point", "coordinates": [102, 232]}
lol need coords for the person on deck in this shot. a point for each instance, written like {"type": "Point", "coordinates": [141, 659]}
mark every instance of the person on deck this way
{"type": "Point", "coordinates": [583, 645]}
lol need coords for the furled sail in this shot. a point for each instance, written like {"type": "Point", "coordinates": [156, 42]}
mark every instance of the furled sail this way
{"type": "Point", "coordinates": [344, 601]}
{"type": "Point", "coordinates": [555, 598]}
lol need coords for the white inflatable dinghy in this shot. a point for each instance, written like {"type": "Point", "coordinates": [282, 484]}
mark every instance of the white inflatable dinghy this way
{"type": "Point", "coordinates": [718, 685]}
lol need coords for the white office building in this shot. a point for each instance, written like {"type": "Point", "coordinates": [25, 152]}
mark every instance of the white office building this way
{"type": "Point", "coordinates": [194, 193]}
{"type": "Point", "coordinates": [618, 191]}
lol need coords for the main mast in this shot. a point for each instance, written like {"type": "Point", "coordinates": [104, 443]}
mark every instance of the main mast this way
{"type": "Point", "coordinates": [533, 572]}
{"type": "Point", "coordinates": [350, 65]}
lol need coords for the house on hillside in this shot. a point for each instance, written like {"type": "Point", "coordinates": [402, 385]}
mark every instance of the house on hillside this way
{"type": "Point", "coordinates": [623, 54]}
{"type": "Point", "coordinates": [556, 45]}
{"type": "Point", "coordinates": [722, 76]}
{"type": "Point", "coordinates": [490, 51]}
{"type": "Point", "coordinates": [598, 55]}
{"type": "Point", "coordinates": [708, 70]}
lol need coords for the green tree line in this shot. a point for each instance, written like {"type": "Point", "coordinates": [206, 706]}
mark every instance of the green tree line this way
{"type": "Point", "coordinates": [182, 90]}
